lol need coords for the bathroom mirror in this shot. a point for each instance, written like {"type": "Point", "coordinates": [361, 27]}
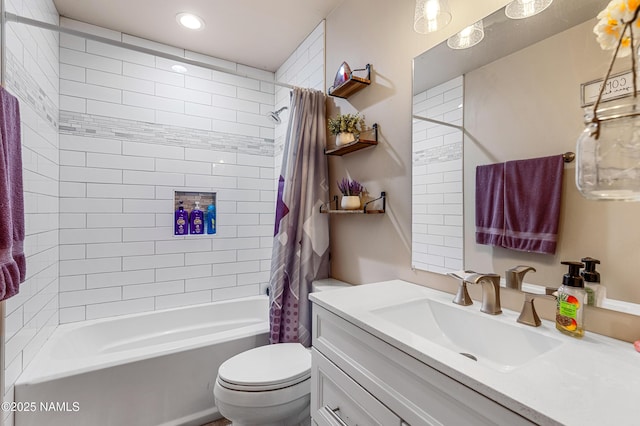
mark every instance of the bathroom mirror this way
{"type": "Point", "coordinates": [522, 99]}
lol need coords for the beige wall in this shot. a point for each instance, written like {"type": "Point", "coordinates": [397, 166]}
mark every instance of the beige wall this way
{"type": "Point", "coordinates": [375, 248]}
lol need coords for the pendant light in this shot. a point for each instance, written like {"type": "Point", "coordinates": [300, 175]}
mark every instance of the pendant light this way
{"type": "Point", "coordinates": [431, 15]}
{"type": "Point", "coordinates": [468, 37]}
{"type": "Point", "coordinates": [520, 9]}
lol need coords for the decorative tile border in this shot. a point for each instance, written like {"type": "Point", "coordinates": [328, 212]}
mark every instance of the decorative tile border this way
{"type": "Point", "coordinates": [88, 125]}
{"type": "Point", "coordinates": [438, 154]}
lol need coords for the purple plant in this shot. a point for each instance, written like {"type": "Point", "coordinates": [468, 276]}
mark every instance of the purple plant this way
{"type": "Point", "coordinates": [350, 187]}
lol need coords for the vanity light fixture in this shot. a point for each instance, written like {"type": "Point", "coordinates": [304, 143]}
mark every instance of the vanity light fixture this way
{"type": "Point", "coordinates": [189, 20]}
{"type": "Point", "coordinates": [520, 9]}
{"type": "Point", "coordinates": [431, 15]}
{"type": "Point", "coordinates": [468, 37]}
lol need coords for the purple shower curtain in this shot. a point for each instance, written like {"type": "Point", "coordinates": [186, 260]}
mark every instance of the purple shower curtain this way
{"type": "Point", "coordinates": [301, 241]}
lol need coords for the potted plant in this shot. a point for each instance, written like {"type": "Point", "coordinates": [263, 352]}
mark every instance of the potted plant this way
{"type": "Point", "coordinates": [346, 127]}
{"type": "Point", "coordinates": [351, 190]}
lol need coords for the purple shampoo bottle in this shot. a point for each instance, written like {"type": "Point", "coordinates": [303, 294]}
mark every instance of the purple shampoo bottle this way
{"type": "Point", "coordinates": [181, 221]}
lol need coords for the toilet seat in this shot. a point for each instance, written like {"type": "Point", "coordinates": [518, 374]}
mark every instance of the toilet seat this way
{"type": "Point", "coordinates": [266, 368]}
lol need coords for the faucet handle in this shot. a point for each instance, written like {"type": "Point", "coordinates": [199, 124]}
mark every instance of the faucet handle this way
{"type": "Point", "coordinates": [514, 276]}
{"type": "Point", "coordinates": [462, 296]}
{"type": "Point", "coordinates": [528, 315]}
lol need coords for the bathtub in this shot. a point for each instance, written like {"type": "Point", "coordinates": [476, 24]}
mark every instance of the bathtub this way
{"type": "Point", "coordinates": [156, 368]}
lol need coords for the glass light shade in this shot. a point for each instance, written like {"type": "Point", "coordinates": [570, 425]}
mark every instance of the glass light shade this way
{"type": "Point", "coordinates": [431, 15]}
{"type": "Point", "coordinates": [190, 21]}
{"type": "Point", "coordinates": [608, 168]}
{"type": "Point", "coordinates": [520, 9]}
{"type": "Point", "coordinates": [468, 37]}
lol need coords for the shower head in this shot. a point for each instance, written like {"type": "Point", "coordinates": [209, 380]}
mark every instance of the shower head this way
{"type": "Point", "coordinates": [274, 116]}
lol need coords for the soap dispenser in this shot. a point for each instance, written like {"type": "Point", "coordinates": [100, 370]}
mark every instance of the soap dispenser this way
{"type": "Point", "coordinates": [596, 292]}
{"type": "Point", "coordinates": [197, 220]}
{"type": "Point", "coordinates": [181, 220]}
{"type": "Point", "coordinates": [571, 301]}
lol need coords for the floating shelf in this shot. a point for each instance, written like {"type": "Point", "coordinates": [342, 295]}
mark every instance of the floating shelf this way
{"type": "Point", "coordinates": [356, 145]}
{"type": "Point", "coordinates": [351, 86]}
{"type": "Point", "coordinates": [364, 210]}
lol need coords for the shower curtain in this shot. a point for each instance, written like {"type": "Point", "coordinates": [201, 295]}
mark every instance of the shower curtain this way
{"type": "Point", "coordinates": [301, 238]}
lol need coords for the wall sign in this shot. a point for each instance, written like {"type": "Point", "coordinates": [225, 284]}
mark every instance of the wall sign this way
{"type": "Point", "coordinates": [618, 86]}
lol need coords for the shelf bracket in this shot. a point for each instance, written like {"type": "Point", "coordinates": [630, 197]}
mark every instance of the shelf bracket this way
{"type": "Point", "coordinates": [383, 197]}
{"type": "Point", "coordinates": [335, 201]}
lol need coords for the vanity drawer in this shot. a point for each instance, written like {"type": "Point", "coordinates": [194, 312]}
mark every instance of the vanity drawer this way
{"type": "Point", "coordinates": [418, 393]}
{"type": "Point", "coordinates": [336, 400]}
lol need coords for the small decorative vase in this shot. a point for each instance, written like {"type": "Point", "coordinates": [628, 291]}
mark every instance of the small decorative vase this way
{"type": "Point", "coordinates": [350, 202]}
{"type": "Point", "coordinates": [344, 138]}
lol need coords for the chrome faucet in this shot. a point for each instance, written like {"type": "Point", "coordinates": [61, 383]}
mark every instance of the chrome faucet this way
{"type": "Point", "coordinates": [515, 275]}
{"type": "Point", "coordinates": [490, 291]}
{"type": "Point", "coordinates": [528, 315]}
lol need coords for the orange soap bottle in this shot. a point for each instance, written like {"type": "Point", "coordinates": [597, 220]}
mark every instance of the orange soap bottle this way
{"type": "Point", "coordinates": [571, 301]}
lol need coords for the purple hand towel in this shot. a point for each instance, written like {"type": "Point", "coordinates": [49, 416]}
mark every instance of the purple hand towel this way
{"type": "Point", "coordinates": [490, 204]}
{"type": "Point", "coordinates": [12, 259]}
{"type": "Point", "coordinates": [533, 190]}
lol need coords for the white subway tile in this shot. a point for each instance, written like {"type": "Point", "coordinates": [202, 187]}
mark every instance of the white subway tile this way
{"type": "Point", "coordinates": [153, 150]}
{"type": "Point", "coordinates": [209, 86]}
{"type": "Point", "coordinates": [211, 181]}
{"type": "Point", "coordinates": [235, 268]}
{"type": "Point", "coordinates": [80, 236]}
{"type": "Point", "coordinates": [85, 297]}
{"type": "Point", "coordinates": [153, 74]}
{"type": "Point", "coordinates": [74, 314]}
{"type": "Point", "coordinates": [78, 267]}
{"type": "Point", "coordinates": [180, 93]}
{"type": "Point", "coordinates": [209, 155]}
{"type": "Point", "coordinates": [97, 190]}
{"type": "Point", "coordinates": [183, 120]}
{"type": "Point", "coordinates": [91, 29]}
{"type": "Point", "coordinates": [252, 183]}
{"type": "Point", "coordinates": [72, 251]}
{"type": "Point", "coordinates": [148, 234]}
{"type": "Point", "coordinates": [253, 231]}
{"type": "Point", "coordinates": [73, 220]}
{"type": "Point", "coordinates": [116, 279]}
{"type": "Point", "coordinates": [210, 257]}
{"type": "Point", "coordinates": [89, 91]}
{"type": "Point", "coordinates": [235, 104]}
{"type": "Point", "coordinates": [255, 254]}
{"type": "Point", "coordinates": [237, 81]}
{"type": "Point", "coordinates": [255, 207]}
{"type": "Point", "coordinates": [210, 60]}
{"type": "Point", "coordinates": [182, 166]}
{"type": "Point", "coordinates": [153, 178]}
{"type": "Point", "coordinates": [111, 161]}
{"type": "Point", "coordinates": [153, 261]}
{"type": "Point", "coordinates": [209, 283]}
{"type": "Point", "coordinates": [153, 45]}
{"type": "Point", "coordinates": [254, 278]}
{"type": "Point", "coordinates": [235, 128]}
{"type": "Point", "coordinates": [182, 273]}
{"type": "Point", "coordinates": [133, 306]}
{"type": "Point", "coordinates": [119, 53]}
{"type": "Point", "coordinates": [236, 292]}
{"type": "Point", "coordinates": [69, 41]}
{"type": "Point", "coordinates": [73, 282]}
{"type": "Point", "coordinates": [90, 144]}
{"type": "Point", "coordinates": [119, 220]}
{"type": "Point", "coordinates": [73, 104]}
{"type": "Point", "coordinates": [120, 111]}
{"type": "Point", "coordinates": [119, 249]}
{"type": "Point", "coordinates": [166, 64]}
{"type": "Point", "coordinates": [90, 205]}
{"type": "Point", "coordinates": [236, 243]}
{"type": "Point", "coordinates": [117, 81]}
{"type": "Point", "coordinates": [235, 170]}
{"type": "Point", "coordinates": [73, 189]}
{"type": "Point", "coordinates": [83, 174]}
{"type": "Point", "coordinates": [184, 299]}
{"type": "Point", "coordinates": [188, 246]}
{"type": "Point", "coordinates": [147, 206]}
{"type": "Point", "coordinates": [210, 112]}
{"type": "Point", "coordinates": [238, 195]}
{"type": "Point", "coordinates": [242, 219]}
{"type": "Point", "coordinates": [152, 289]}
{"type": "Point", "coordinates": [152, 102]}
{"type": "Point", "coordinates": [86, 60]}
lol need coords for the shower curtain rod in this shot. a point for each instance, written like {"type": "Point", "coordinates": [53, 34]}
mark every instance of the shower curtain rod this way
{"type": "Point", "coordinates": [12, 17]}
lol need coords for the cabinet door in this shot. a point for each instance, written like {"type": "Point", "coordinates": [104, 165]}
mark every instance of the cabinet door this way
{"type": "Point", "coordinates": [336, 400]}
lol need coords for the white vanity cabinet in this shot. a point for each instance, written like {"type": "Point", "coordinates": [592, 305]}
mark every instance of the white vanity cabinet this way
{"type": "Point", "coordinates": [358, 379]}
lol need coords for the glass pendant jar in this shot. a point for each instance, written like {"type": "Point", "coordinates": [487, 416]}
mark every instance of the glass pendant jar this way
{"type": "Point", "coordinates": [608, 153]}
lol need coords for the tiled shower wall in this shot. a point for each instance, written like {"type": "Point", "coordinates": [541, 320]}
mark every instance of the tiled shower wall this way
{"type": "Point", "coordinates": [132, 131]}
{"type": "Point", "coordinates": [437, 223]}
{"type": "Point", "coordinates": [32, 76]}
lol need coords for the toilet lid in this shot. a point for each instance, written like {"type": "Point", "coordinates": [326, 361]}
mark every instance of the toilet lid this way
{"type": "Point", "coordinates": [266, 367]}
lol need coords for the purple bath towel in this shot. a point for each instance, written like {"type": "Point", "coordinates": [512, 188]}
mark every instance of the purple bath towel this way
{"type": "Point", "coordinates": [533, 190]}
{"type": "Point", "coordinates": [12, 259]}
{"type": "Point", "coordinates": [490, 204]}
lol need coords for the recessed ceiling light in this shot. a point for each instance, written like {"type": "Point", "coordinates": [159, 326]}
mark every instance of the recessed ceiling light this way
{"type": "Point", "coordinates": [179, 68]}
{"type": "Point", "coordinates": [189, 20]}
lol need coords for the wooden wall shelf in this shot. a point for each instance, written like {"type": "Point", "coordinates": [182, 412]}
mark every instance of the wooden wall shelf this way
{"type": "Point", "coordinates": [351, 86]}
{"type": "Point", "coordinates": [363, 210]}
{"type": "Point", "coordinates": [356, 145]}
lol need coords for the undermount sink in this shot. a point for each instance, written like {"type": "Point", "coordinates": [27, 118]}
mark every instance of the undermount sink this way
{"type": "Point", "coordinates": [483, 338]}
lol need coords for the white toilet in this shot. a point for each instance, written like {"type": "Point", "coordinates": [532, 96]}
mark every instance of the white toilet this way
{"type": "Point", "coordinates": [269, 385]}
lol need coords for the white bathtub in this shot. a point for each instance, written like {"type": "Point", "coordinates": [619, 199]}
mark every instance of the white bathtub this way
{"type": "Point", "coordinates": [156, 368]}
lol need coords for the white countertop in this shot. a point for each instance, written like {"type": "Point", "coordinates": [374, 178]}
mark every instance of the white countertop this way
{"type": "Point", "coordinates": [590, 381]}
